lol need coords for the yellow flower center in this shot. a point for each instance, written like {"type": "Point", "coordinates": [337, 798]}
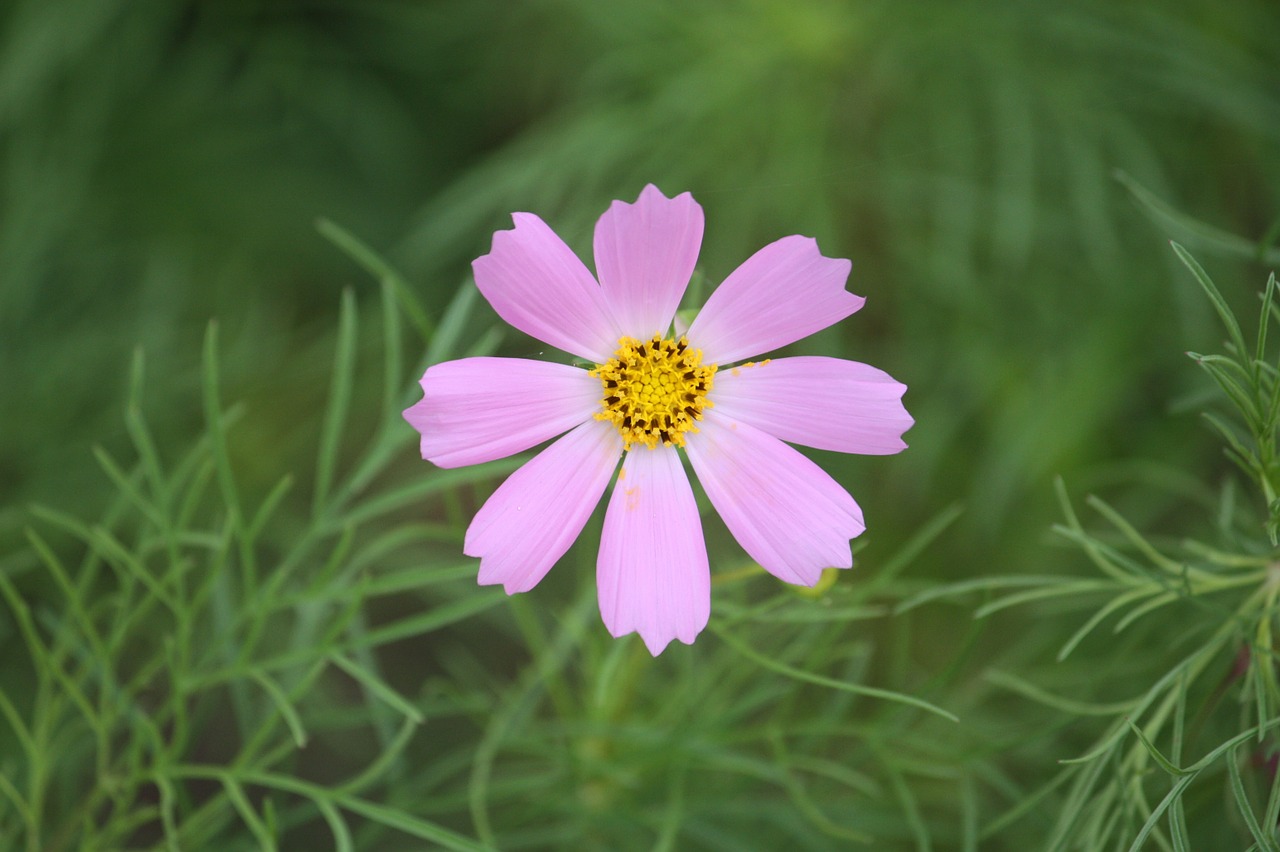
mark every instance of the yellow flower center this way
{"type": "Point", "coordinates": [654, 391]}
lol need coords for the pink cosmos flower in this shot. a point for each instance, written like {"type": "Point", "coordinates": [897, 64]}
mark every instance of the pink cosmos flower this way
{"type": "Point", "coordinates": [650, 394]}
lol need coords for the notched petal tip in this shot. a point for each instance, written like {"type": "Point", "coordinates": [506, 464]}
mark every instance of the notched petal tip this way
{"type": "Point", "coordinates": [488, 576]}
{"type": "Point", "coordinates": [415, 415]}
{"type": "Point", "coordinates": [529, 522]}
{"type": "Point", "coordinates": [817, 401]}
{"type": "Point", "coordinates": [657, 644]}
{"type": "Point", "coordinates": [480, 409]}
{"type": "Point", "coordinates": [788, 514]}
{"type": "Point", "coordinates": [652, 576]}
{"type": "Point", "coordinates": [657, 640]}
{"type": "Point", "coordinates": [645, 253]}
{"type": "Point", "coordinates": [537, 284]}
{"type": "Point", "coordinates": [784, 292]}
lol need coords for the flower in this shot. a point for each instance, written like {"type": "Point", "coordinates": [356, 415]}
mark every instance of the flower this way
{"type": "Point", "coordinates": [650, 394]}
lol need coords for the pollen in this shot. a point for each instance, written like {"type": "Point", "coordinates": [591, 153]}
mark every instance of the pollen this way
{"type": "Point", "coordinates": [654, 392]}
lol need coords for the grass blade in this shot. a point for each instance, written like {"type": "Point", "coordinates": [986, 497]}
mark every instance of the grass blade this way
{"type": "Point", "coordinates": [335, 415]}
{"type": "Point", "coordinates": [819, 680]}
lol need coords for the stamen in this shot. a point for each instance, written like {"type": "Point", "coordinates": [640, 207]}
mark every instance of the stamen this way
{"type": "Point", "coordinates": [654, 391]}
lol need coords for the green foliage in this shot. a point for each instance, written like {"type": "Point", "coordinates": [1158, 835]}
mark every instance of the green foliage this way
{"type": "Point", "coordinates": [210, 641]}
{"type": "Point", "coordinates": [203, 647]}
{"type": "Point", "coordinates": [1214, 605]}
{"type": "Point", "coordinates": [239, 616]}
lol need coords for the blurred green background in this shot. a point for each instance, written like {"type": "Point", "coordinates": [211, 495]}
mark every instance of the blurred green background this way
{"type": "Point", "coordinates": [162, 164]}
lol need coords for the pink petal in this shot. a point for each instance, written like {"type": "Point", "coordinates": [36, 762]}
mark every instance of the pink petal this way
{"type": "Point", "coordinates": [827, 403]}
{"type": "Point", "coordinates": [782, 293]}
{"type": "Point", "coordinates": [536, 283]}
{"type": "Point", "coordinates": [784, 510]}
{"type": "Point", "coordinates": [652, 576]}
{"type": "Point", "coordinates": [533, 517]}
{"type": "Point", "coordinates": [645, 253]}
{"type": "Point", "coordinates": [480, 409]}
